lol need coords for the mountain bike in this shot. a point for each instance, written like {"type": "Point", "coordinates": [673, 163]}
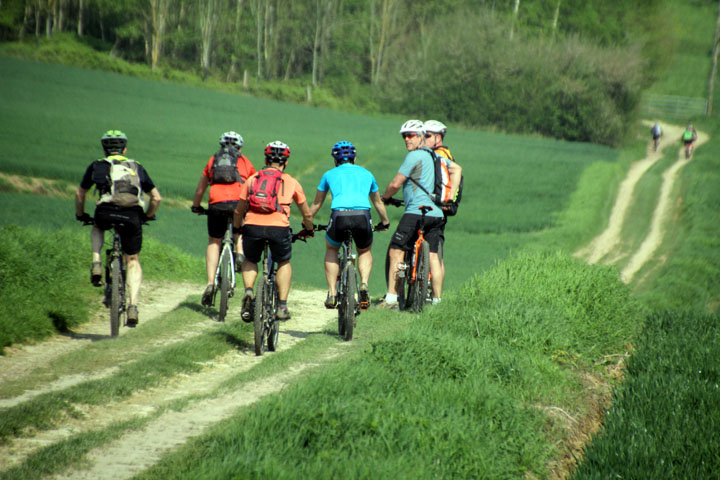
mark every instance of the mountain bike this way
{"type": "Point", "coordinates": [225, 272]}
{"type": "Point", "coordinates": [348, 293]}
{"type": "Point", "coordinates": [266, 325]}
{"type": "Point", "coordinates": [413, 275]}
{"type": "Point", "coordinates": [115, 274]}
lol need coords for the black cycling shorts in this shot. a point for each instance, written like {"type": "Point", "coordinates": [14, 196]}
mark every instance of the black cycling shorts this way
{"type": "Point", "coordinates": [127, 222]}
{"type": "Point", "coordinates": [406, 233]}
{"type": "Point", "coordinates": [357, 221]}
{"type": "Point", "coordinates": [253, 242]}
{"type": "Point", "coordinates": [218, 215]}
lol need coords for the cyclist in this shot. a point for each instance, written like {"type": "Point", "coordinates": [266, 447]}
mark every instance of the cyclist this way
{"type": "Point", "coordinates": [689, 136]}
{"type": "Point", "coordinates": [434, 136]}
{"type": "Point", "coordinates": [223, 198]}
{"type": "Point", "coordinates": [656, 132]}
{"type": "Point", "coordinates": [120, 202]}
{"type": "Point", "coordinates": [274, 226]}
{"type": "Point", "coordinates": [352, 188]}
{"type": "Point", "coordinates": [418, 164]}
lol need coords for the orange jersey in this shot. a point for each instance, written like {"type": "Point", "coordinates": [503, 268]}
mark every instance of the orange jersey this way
{"type": "Point", "coordinates": [289, 191]}
{"type": "Point", "coordinates": [228, 192]}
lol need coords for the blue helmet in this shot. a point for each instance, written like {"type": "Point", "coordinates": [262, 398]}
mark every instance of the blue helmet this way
{"type": "Point", "coordinates": [343, 152]}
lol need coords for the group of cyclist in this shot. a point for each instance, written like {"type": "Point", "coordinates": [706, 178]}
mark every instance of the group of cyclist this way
{"type": "Point", "coordinates": [234, 199]}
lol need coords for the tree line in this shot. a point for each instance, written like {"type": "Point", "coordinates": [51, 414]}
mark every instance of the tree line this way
{"type": "Point", "coordinates": [477, 62]}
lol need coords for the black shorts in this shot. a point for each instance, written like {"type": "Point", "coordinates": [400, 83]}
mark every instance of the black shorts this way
{"type": "Point", "coordinates": [253, 242]}
{"type": "Point", "coordinates": [127, 222]}
{"type": "Point", "coordinates": [357, 221]}
{"type": "Point", "coordinates": [406, 233]}
{"type": "Point", "coordinates": [218, 215]}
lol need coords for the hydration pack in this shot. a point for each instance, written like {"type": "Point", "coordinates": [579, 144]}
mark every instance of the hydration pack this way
{"type": "Point", "coordinates": [124, 184]}
{"type": "Point", "coordinates": [687, 135]}
{"type": "Point", "coordinates": [442, 186]}
{"type": "Point", "coordinates": [263, 193]}
{"type": "Point", "coordinates": [224, 168]}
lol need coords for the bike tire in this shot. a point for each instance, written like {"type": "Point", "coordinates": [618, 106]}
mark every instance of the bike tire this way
{"type": "Point", "coordinates": [115, 300]}
{"type": "Point", "coordinates": [225, 266]}
{"type": "Point", "coordinates": [341, 305]}
{"type": "Point", "coordinates": [350, 302]}
{"type": "Point", "coordinates": [259, 320]}
{"type": "Point", "coordinates": [422, 278]}
{"type": "Point", "coordinates": [274, 333]}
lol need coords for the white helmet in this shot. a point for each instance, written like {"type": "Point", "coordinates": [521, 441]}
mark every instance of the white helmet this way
{"type": "Point", "coordinates": [231, 138]}
{"type": "Point", "coordinates": [433, 126]}
{"type": "Point", "coordinates": [413, 126]}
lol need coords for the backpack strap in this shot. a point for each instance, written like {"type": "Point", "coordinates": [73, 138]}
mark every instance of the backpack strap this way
{"type": "Point", "coordinates": [433, 155]}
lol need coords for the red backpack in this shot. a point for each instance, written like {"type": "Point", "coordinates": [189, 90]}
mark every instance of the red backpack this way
{"type": "Point", "coordinates": [263, 193]}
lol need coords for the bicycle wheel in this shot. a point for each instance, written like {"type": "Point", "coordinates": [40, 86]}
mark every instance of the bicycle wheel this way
{"type": "Point", "coordinates": [274, 330]}
{"type": "Point", "coordinates": [350, 301]}
{"type": "Point", "coordinates": [259, 319]}
{"type": "Point", "coordinates": [226, 263]}
{"type": "Point", "coordinates": [341, 305]}
{"type": "Point", "coordinates": [422, 278]}
{"type": "Point", "coordinates": [115, 303]}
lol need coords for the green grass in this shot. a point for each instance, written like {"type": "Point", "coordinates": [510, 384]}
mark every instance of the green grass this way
{"type": "Point", "coordinates": [664, 420]}
{"type": "Point", "coordinates": [452, 397]}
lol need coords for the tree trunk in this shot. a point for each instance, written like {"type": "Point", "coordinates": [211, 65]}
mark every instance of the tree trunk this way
{"type": "Point", "coordinates": [236, 43]}
{"type": "Point", "coordinates": [516, 9]}
{"type": "Point", "coordinates": [316, 43]}
{"type": "Point", "coordinates": [556, 17]}
{"type": "Point", "coordinates": [259, 38]}
{"type": "Point", "coordinates": [158, 12]}
{"type": "Point", "coordinates": [711, 81]}
{"type": "Point", "coordinates": [26, 19]}
{"type": "Point", "coordinates": [81, 9]}
{"type": "Point", "coordinates": [208, 22]}
{"type": "Point", "coordinates": [382, 30]}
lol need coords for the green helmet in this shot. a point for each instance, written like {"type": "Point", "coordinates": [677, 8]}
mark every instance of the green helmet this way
{"type": "Point", "coordinates": [114, 141]}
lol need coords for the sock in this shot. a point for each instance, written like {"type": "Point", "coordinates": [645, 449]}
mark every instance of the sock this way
{"type": "Point", "coordinates": [249, 291]}
{"type": "Point", "coordinates": [282, 303]}
{"type": "Point", "coordinates": [435, 300]}
{"type": "Point", "coordinates": [390, 298]}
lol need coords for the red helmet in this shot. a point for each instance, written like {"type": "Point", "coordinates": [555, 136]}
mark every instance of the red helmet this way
{"type": "Point", "coordinates": [277, 152]}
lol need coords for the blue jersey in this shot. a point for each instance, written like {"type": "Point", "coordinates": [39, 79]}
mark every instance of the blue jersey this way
{"type": "Point", "coordinates": [349, 185]}
{"type": "Point", "coordinates": [419, 166]}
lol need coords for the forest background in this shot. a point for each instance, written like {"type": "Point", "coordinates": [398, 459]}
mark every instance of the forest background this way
{"type": "Point", "coordinates": [568, 69]}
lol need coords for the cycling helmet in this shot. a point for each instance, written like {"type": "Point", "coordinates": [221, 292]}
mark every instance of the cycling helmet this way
{"type": "Point", "coordinates": [277, 152]}
{"type": "Point", "coordinates": [433, 126]}
{"type": "Point", "coordinates": [412, 126]}
{"type": "Point", "coordinates": [231, 138]}
{"type": "Point", "coordinates": [343, 152]}
{"type": "Point", "coordinates": [114, 141]}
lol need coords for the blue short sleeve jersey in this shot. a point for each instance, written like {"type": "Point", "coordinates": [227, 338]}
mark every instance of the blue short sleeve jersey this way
{"type": "Point", "coordinates": [418, 165]}
{"type": "Point", "coordinates": [349, 185]}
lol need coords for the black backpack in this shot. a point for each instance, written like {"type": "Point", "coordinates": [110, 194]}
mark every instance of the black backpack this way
{"type": "Point", "coordinates": [224, 168]}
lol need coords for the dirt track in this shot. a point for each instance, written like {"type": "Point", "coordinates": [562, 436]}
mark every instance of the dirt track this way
{"type": "Point", "coordinates": [136, 451]}
{"type": "Point", "coordinates": [605, 247]}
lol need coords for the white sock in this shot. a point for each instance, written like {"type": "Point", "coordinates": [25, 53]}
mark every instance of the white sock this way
{"type": "Point", "coordinates": [435, 301]}
{"type": "Point", "coordinates": [390, 298]}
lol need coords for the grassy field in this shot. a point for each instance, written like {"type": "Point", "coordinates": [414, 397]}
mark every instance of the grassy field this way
{"type": "Point", "coordinates": [487, 385]}
{"type": "Point", "coordinates": [515, 186]}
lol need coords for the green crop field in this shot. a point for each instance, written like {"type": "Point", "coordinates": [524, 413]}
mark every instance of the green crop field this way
{"type": "Point", "coordinates": [52, 117]}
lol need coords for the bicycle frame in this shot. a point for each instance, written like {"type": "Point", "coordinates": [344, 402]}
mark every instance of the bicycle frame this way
{"type": "Point", "coordinates": [226, 262]}
{"type": "Point", "coordinates": [114, 291]}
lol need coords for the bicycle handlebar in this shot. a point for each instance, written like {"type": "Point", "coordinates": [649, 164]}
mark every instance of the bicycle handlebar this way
{"type": "Point", "coordinates": [393, 201]}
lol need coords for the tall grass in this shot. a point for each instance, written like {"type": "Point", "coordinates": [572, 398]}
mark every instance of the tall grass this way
{"type": "Point", "coordinates": [664, 420]}
{"type": "Point", "coordinates": [44, 279]}
{"type": "Point", "coordinates": [461, 394]}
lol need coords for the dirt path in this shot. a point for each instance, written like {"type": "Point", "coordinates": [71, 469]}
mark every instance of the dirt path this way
{"type": "Point", "coordinates": [605, 247]}
{"type": "Point", "coordinates": [136, 451]}
{"type": "Point", "coordinates": [156, 299]}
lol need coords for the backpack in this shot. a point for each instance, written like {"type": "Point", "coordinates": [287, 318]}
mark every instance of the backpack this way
{"type": "Point", "coordinates": [687, 135]}
{"type": "Point", "coordinates": [263, 193]}
{"type": "Point", "coordinates": [441, 186]}
{"type": "Point", "coordinates": [656, 130]}
{"type": "Point", "coordinates": [224, 168]}
{"type": "Point", "coordinates": [124, 184]}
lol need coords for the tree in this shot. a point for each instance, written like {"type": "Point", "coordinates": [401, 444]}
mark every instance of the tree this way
{"type": "Point", "coordinates": [208, 21]}
{"type": "Point", "coordinates": [382, 26]}
{"type": "Point", "coordinates": [158, 19]}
